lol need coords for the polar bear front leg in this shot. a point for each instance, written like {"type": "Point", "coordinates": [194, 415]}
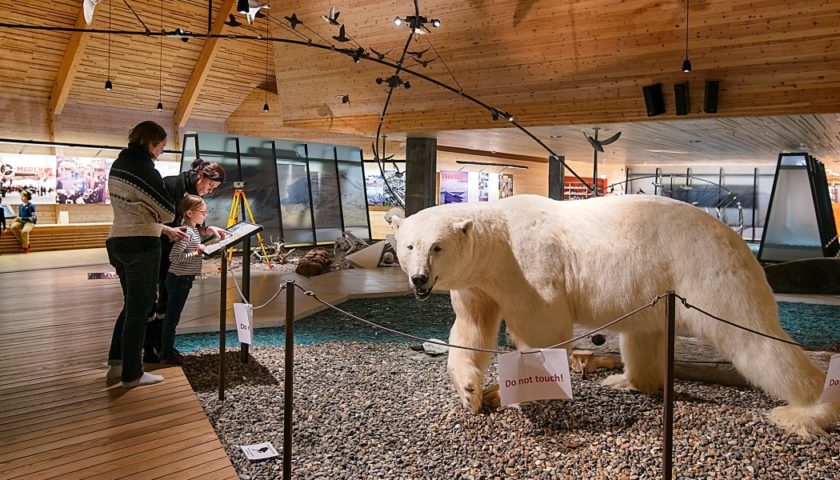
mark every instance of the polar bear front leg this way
{"type": "Point", "coordinates": [477, 319]}
{"type": "Point", "coordinates": [643, 354]}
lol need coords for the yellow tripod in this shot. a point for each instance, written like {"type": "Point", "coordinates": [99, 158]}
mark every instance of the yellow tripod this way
{"type": "Point", "coordinates": [240, 200]}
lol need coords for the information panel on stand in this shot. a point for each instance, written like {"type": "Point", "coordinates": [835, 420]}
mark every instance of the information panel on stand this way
{"type": "Point", "coordinates": [237, 232]}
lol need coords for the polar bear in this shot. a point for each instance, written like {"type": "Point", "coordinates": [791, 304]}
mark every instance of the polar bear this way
{"type": "Point", "coordinates": [543, 265]}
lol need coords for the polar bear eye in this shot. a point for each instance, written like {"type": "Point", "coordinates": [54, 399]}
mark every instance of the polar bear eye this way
{"type": "Point", "coordinates": [437, 249]}
{"type": "Point", "coordinates": [410, 247]}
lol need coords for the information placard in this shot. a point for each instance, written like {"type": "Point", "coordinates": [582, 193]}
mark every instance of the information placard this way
{"type": "Point", "coordinates": [237, 232]}
{"type": "Point", "coordinates": [534, 375]}
{"type": "Point", "coordinates": [831, 392]}
{"type": "Point", "coordinates": [244, 314]}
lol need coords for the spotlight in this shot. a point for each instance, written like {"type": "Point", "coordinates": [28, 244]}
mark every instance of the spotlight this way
{"type": "Point", "coordinates": [265, 107]}
{"type": "Point", "coordinates": [344, 98]}
{"type": "Point", "coordinates": [108, 85]}
{"type": "Point", "coordinates": [242, 6]}
{"type": "Point", "coordinates": [686, 65]}
{"type": "Point", "coordinates": [495, 114]}
{"type": "Point", "coordinates": [397, 21]}
{"type": "Point", "coordinates": [435, 22]}
{"type": "Point", "coordinates": [356, 58]}
{"type": "Point", "coordinates": [508, 117]}
{"type": "Point", "coordinates": [160, 106]}
{"type": "Point", "coordinates": [180, 32]}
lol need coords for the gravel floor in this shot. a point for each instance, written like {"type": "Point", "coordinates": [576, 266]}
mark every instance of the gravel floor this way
{"type": "Point", "coordinates": [382, 411]}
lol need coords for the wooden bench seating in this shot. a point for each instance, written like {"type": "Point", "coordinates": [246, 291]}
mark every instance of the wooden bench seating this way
{"type": "Point", "coordinates": [46, 237]}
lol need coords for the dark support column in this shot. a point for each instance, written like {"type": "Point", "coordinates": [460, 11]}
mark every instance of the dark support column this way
{"type": "Point", "coordinates": [420, 167]}
{"type": "Point", "coordinates": [556, 175]}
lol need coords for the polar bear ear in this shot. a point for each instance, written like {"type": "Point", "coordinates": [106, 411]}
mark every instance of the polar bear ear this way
{"type": "Point", "coordinates": [464, 226]}
{"type": "Point", "coordinates": [395, 222]}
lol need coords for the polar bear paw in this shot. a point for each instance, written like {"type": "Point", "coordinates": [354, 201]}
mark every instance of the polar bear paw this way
{"type": "Point", "coordinates": [618, 382]}
{"type": "Point", "coordinates": [490, 400]}
{"type": "Point", "coordinates": [806, 421]}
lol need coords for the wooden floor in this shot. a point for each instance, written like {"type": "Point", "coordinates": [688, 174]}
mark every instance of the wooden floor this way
{"type": "Point", "coordinates": [58, 416]}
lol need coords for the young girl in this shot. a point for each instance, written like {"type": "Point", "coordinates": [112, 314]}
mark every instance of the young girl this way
{"type": "Point", "coordinates": [186, 264]}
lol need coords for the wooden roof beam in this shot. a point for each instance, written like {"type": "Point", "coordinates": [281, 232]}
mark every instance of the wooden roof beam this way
{"type": "Point", "coordinates": [69, 64]}
{"type": "Point", "coordinates": [202, 65]}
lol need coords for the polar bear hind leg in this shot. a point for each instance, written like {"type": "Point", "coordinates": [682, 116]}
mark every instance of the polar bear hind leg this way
{"type": "Point", "coordinates": [782, 370]}
{"type": "Point", "coordinates": [786, 373]}
{"type": "Point", "coordinates": [643, 354]}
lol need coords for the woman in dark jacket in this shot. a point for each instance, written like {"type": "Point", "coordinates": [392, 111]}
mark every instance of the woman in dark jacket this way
{"type": "Point", "coordinates": [201, 179]}
{"type": "Point", "coordinates": [141, 206]}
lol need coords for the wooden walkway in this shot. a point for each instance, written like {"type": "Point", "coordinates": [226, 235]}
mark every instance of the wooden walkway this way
{"type": "Point", "coordinates": [59, 418]}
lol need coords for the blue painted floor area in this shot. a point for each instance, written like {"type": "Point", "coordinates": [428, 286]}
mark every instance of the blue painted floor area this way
{"type": "Point", "coordinates": [810, 324]}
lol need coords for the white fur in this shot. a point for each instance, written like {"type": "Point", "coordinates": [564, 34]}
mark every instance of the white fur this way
{"type": "Point", "coordinates": [544, 265]}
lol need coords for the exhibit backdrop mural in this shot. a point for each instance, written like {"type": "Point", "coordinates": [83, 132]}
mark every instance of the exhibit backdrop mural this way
{"type": "Point", "coordinates": [459, 187]}
{"type": "Point", "coordinates": [35, 173]}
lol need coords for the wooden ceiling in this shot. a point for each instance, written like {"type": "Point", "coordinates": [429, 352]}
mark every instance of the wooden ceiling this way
{"type": "Point", "coordinates": [559, 67]}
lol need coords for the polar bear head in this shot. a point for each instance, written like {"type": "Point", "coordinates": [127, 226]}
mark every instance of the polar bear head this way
{"type": "Point", "coordinates": [434, 249]}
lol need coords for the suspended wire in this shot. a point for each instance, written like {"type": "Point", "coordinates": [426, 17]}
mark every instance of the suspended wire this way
{"type": "Point", "coordinates": [444, 63]}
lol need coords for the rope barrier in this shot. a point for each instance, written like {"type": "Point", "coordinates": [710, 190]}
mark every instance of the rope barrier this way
{"type": "Point", "coordinates": [242, 295]}
{"type": "Point", "coordinates": [765, 335]}
{"type": "Point", "coordinates": [650, 304]}
{"type": "Point", "coordinates": [446, 344]}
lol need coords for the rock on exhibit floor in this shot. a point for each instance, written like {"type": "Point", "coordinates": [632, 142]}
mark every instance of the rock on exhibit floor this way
{"type": "Point", "coordinates": [382, 411]}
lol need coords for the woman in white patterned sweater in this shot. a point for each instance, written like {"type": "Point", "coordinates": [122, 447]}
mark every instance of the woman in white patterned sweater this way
{"type": "Point", "coordinates": [186, 264]}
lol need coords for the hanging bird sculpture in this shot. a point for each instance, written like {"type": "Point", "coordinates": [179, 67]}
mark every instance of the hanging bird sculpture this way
{"type": "Point", "coordinates": [598, 146]}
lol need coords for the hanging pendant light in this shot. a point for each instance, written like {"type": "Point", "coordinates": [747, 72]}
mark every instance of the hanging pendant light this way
{"type": "Point", "coordinates": [265, 105]}
{"type": "Point", "coordinates": [160, 64]}
{"type": "Point", "coordinates": [686, 65]}
{"type": "Point", "coordinates": [108, 85]}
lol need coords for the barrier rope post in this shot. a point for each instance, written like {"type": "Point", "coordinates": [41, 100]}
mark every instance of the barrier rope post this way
{"type": "Point", "coordinates": [287, 383]}
{"type": "Point", "coordinates": [246, 287]}
{"type": "Point", "coordinates": [668, 391]}
{"type": "Point", "coordinates": [222, 326]}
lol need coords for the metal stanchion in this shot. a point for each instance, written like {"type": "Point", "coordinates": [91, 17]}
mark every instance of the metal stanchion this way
{"type": "Point", "coordinates": [668, 394]}
{"type": "Point", "coordinates": [222, 326]}
{"type": "Point", "coordinates": [288, 395]}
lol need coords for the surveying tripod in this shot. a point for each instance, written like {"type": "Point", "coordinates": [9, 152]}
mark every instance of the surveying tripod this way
{"type": "Point", "coordinates": [240, 203]}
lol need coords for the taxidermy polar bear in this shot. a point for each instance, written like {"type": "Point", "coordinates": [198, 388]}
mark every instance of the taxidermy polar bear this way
{"type": "Point", "coordinates": [543, 265]}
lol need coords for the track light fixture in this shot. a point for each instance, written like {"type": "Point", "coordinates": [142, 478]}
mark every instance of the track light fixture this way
{"type": "Point", "coordinates": [497, 114]}
{"type": "Point", "coordinates": [394, 81]}
{"type": "Point", "coordinates": [686, 65]}
{"type": "Point", "coordinates": [265, 107]}
{"type": "Point", "coordinates": [242, 6]}
{"type": "Point", "coordinates": [416, 23]}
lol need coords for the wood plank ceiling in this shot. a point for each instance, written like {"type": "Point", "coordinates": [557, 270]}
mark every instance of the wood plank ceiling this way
{"type": "Point", "coordinates": [560, 67]}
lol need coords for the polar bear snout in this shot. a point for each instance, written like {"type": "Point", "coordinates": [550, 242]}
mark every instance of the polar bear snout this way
{"type": "Point", "coordinates": [419, 280]}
